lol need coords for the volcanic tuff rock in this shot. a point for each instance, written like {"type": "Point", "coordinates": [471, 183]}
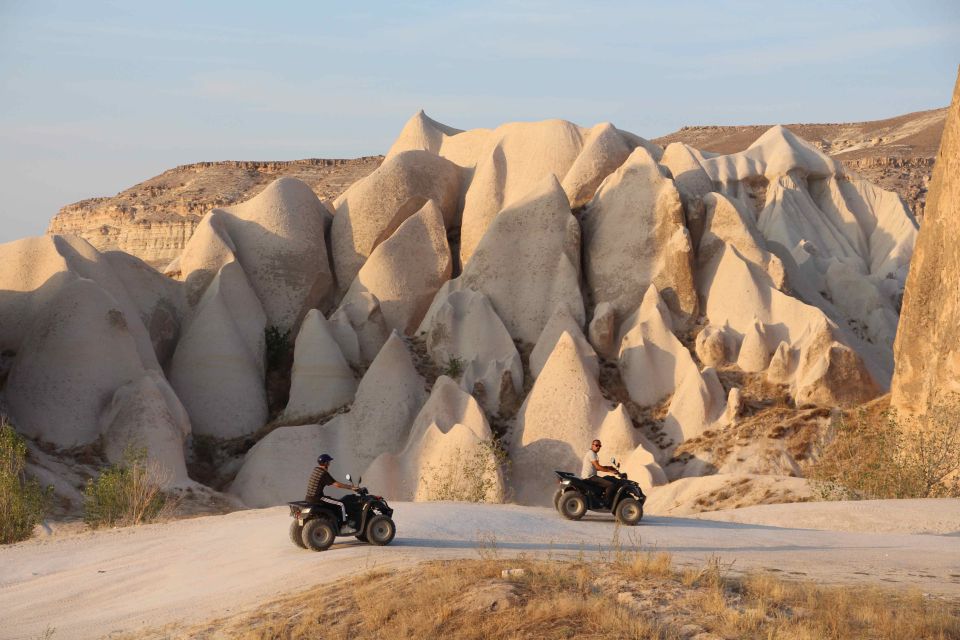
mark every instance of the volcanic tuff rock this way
{"type": "Point", "coordinates": [154, 220]}
{"type": "Point", "coordinates": [702, 280]}
{"type": "Point", "coordinates": [927, 346]}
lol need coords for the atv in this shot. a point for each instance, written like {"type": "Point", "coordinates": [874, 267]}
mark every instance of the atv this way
{"type": "Point", "coordinates": [575, 496]}
{"type": "Point", "coordinates": [316, 524]}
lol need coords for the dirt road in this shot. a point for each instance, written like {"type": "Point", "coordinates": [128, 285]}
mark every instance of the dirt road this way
{"type": "Point", "coordinates": [126, 580]}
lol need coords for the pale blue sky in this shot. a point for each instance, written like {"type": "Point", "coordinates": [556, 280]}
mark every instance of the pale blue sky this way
{"type": "Point", "coordinates": [97, 96]}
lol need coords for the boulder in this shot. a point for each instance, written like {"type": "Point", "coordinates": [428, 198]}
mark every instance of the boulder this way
{"type": "Point", "coordinates": [389, 397]}
{"type": "Point", "coordinates": [146, 414]}
{"type": "Point", "coordinates": [654, 366]}
{"type": "Point", "coordinates": [67, 368]}
{"type": "Point", "coordinates": [560, 322]}
{"type": "Point", "coordinates": [563, 413]}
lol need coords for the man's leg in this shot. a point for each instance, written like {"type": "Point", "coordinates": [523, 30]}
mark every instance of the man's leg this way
{"type": "Point", "coordinates": [343, 509]}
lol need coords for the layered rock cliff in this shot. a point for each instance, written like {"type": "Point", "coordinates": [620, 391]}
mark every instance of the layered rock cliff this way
{"type": "Point", "coordinates": [154, 219]}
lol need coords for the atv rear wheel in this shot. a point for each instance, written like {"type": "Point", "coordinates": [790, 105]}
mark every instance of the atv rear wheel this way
{"type": "Point", "coordinates": [380, 530]}
{"type": "Point", "coordinates": [318, 535]}
{"type": "Point", "coordinates": [296, 534]}
{"type": "Point", "coordinates": [629, 512]}
{"type": "Point", "coordinates": [573, 505]}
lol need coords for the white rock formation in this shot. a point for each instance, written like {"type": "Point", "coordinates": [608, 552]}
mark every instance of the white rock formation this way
{"type": "Point", "coordinates": [560, 322]}
{"type": "Point", "coordinates": [373, 208]}
{"type": "Point", "coordinates": [359, 328]}
{"type": "Point", "coordinates": [691, 181]}
{"type": "Point", "coordinates": [528, 262]}
{"type": "Point", "coordinates": [388, 399]}
{"type": "Point", "coordinates": [405, 271]}
{"type": "Point", "coordinates": [634, 236]}
{"type": "Point", "coordinates": [75, 322]}
{"type": "Point", "coordinates": [462, 326]}
{"type": "Point", "coordinates": [845, 244]}
{"type": "Point", "coordinates": [564, 412]}
{"type": "Point", "coordinates": [278, 240]}
{"type": "Point", "coordinates": [218, 367]}
{"type": "Point", "coordinates": [448, 454]}
{"type": "Point", "coordinates": [506, 163]}
{"type": "Point", "coordinates": [321, 379]}
{"type": "Point", "coordinates": [655, 365]}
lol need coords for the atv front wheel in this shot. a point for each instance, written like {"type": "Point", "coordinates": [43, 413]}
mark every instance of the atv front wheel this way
{"type": "Point", "coordinates": [556, 498]}
{"type": "Point", "coordinates": [318, 535]}
{"type": "Point", "coordinates": [380, 530]}
{"type": "Point", "coordinates": [296, 534]}
{"type": "Point", "coordinates": [629, 512]}
{"type": "Point", "coordinates": [573, 505]}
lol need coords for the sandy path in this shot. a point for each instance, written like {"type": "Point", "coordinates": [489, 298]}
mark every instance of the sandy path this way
{"type": "Point", "coordinates": [100, 583]}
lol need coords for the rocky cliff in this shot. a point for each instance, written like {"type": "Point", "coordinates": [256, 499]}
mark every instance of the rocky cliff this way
{"type": "Point", "coordinates": [896, 154]}
{"type": "Point", "coordinates": [927, 348]}
{"type": "Point", "coordinates": [154, 219]}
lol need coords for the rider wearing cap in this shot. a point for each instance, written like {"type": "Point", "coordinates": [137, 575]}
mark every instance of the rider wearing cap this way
{"type": "Point", "coordinates": [321, 478]}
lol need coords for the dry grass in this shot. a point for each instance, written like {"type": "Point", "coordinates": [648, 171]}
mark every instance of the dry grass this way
{"type": "Point", "coordinates": [628, 594]}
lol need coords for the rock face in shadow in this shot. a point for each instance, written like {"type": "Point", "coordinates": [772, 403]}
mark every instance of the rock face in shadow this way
{"type": "Point", "coordinates": [277, 238]}
{"type": "Point", "coordinates": [927, 349]}
{"type": "Point", "coordinates": [389, 397]}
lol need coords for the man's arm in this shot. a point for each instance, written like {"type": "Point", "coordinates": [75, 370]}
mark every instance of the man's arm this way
{"type": "Point", "coordinates": [340, 485]}
{"type": "Point", "coordinates": [599, 467]}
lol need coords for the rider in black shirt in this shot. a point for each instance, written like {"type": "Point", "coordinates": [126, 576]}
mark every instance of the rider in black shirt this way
{"type": "Point", "coordinates": [320, 478]}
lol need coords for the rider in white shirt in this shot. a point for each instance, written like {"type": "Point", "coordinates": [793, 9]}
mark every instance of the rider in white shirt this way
{"type": "Point", "coordinates": [591, 464]}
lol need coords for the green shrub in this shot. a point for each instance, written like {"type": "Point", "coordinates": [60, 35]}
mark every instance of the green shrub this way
{"type": "Point", "coordinates": [278, 345]}
{"type": "Point", "coordinates": [892, 456]}
{"type": "Point", "coordinates": [23, 503]}
{"type": "Point", "coordinates": [128, 493]}
{"type": "Point", "coordinates": [454, 368]}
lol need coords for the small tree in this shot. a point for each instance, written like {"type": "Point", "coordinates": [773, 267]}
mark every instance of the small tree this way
{"type": "Point", "coordinates": [23, 503]}
{"type": "Point", "coordinates": [128, 493]}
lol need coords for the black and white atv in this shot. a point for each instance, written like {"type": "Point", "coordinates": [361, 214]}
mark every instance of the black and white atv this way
{"type": "Point", "coordinates": [316, 524]}
{"type": "Point", "coordinates": [575, 496]}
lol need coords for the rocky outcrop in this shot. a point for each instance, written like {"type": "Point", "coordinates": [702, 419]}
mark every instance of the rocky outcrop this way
{"type": "Point", "coordinates": [277, 239]}
{"type": "Point", "coordinates": [528, 262]}
{"type": "Point", "coordinates": [321, 379]}
{"type": "Point", "coordinates": [927, 349]}
{"type": "Point", "coordinates": [372, 209]}
{"type": "Point", "coordinates": [405, 271]}
{"type": "Point", "coordinates": [388, 399]}
{"type": "Point", "coordinates": [634, 236]}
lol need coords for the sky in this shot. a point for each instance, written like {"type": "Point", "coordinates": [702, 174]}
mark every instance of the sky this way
{"type": "Point", "coordinates": [98, 96]}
